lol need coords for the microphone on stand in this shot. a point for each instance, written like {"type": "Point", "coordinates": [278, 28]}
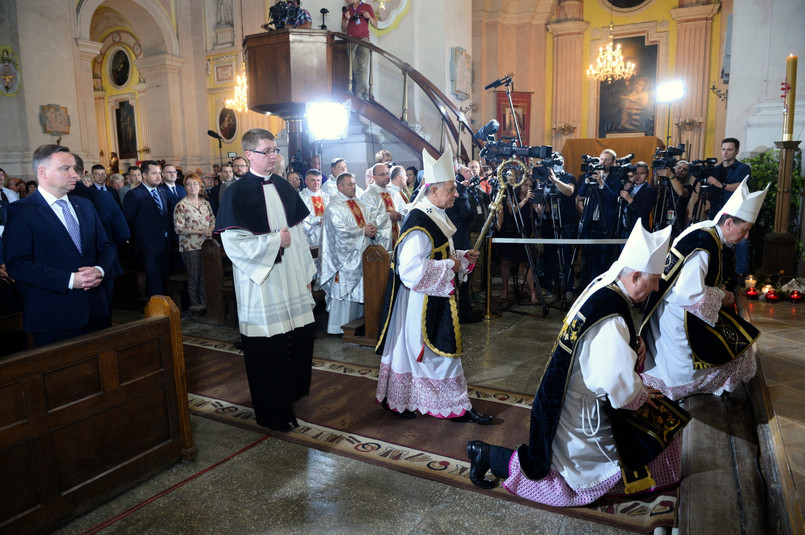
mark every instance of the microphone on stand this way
{"type": "Point", "coordinates": [213, 134]}
{"type": "Point", "coordinates": [500, 81]}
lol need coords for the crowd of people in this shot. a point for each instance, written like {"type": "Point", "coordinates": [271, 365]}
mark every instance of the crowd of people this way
{"type": "Point", "coordinates": [288, 232]}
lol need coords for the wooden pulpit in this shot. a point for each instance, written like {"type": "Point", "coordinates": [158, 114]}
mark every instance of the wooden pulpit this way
{"type": "Point", "coordinates": [365, 330]}
{"type": "Point", "coordinates": [288, 68]}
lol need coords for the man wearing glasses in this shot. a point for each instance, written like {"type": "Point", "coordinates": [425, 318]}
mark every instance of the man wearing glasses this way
{"type": "Point", "coordinates": [260, 225]}
{"type": "Point", "coordinates": [384, 208]}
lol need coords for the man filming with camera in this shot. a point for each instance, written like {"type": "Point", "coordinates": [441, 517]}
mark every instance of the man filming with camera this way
{"type": "Point", "coordinates": [684, 187]}
{"type": "Point", "coordinates": [598, 204]}
{"type": "Point", "coordinates": [640, 197]}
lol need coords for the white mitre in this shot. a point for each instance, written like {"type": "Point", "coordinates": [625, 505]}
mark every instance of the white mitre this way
{"type": "Point", "coordinates": [743, 204]}
{"type": "Point", "coordinates": [644, 251]}
{"type": "Point", "coordinates": [435, 171]}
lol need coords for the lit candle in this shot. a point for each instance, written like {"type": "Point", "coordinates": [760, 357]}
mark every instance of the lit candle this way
{"type": "Point", "coordinates": [750, 281]}
{"type": "Point", "coordinates": [790, 97]}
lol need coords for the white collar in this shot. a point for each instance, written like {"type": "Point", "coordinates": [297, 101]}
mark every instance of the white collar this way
{"type": "Point", "coordinates": [50, 198]}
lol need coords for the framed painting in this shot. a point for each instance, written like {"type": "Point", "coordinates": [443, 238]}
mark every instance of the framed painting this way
{"type": "Point", "coordinates": [227, 124]}
{"type": "Point", "coordinates": [224, 73]}
{"type": "Point", "coordinates": [55, 119]}
{"type": "Point", "coordinates": [627, 106]}
{"type": "Point", "coordinates": [120, 68]}
{"type": "Point", "coordinates": [521, 102]}
{"type": "Point", "coordinates": [126, 131]}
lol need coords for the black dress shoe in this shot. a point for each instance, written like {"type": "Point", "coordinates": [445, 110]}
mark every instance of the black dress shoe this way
{"type": "Point", "coordinates": [478, 452]}
{"type": "Point", "coordinates": [404, 414]}
{"type": "Point", "coordinates": [286, 427]}
{"type": "Point", "coordinates": [474, 417]}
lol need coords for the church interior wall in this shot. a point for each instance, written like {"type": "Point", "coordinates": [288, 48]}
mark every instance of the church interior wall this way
{"type": "Point", "coordinates": [15, 131]}
{"type": "Point", "coordinates": [764, 33]}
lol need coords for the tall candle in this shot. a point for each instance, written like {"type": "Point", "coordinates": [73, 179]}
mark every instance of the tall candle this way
{"type": "Point", "coordinates": [790, 97]}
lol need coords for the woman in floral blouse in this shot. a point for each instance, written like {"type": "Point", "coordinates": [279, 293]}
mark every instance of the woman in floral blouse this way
{"type": "Point", "coordinates": [194, 222]}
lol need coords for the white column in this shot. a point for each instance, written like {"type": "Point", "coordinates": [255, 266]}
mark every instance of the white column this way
{"type": "Point", "coordinates": [87, 122]}
{"type": "Point", "coordinates": [164, 109]}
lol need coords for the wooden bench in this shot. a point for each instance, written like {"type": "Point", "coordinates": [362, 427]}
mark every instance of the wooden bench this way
{"type": "Point", "coordinates": [366, 330]}
{"type": "Point", "coordinates": [218, 284]}
{"type": "Point", "coordinates": [85, 419]}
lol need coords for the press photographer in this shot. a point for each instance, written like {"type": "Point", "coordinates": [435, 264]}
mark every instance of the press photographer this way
{"type": "Point", "coordinates": [559, 220]}
{"type": "Point", "coordinates": [597, 202]}
{"type": "Point", "coordinates": [640, 197]}
{"type": "Point", "coordinates": [680, 180]}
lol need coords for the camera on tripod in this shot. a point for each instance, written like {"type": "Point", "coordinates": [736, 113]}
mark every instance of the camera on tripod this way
{"type": "Point", "coordinates": [503, 150]}
{"type": "Point", "coordinates": [621, 169]}
{"type": "Point", "coordinates": [665, 159]}
{"type": "Point", "coordinates": [589, 164]}
{"type": "Point", "coordinates": [702, 169]}
{"type": "Point", "coordinates": [281, 14]}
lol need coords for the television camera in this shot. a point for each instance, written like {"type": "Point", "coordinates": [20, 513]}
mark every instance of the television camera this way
{"type": "Point", "coordinates": [280, 15]}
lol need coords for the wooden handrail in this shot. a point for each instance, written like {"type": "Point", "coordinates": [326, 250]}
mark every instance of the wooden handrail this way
{"type": "Point", "coordinates": [439, 99]}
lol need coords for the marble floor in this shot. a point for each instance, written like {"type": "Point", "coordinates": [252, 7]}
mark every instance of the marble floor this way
{"type": "Point", "coordinates": [244, 482]}
{"type": "Point", "coordinates": [782, 361]}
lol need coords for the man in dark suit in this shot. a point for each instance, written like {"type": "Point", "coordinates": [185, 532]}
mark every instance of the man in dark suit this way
{"type": "Point", "coordinates": [99, 182]}
{"type": "Point", "coordinates": [174, 191]}
{"type": "Point", "coordinates": [640, 198]}
{"type": "Point", "coordinates": [113, 221]}
{"type": "Point", "coordinates": [148, 214]}
{"type": "Point", "coordinates": [56, 247]}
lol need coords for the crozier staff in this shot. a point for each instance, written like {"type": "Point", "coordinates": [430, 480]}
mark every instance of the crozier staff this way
{"type": "Point", "coordinates": [421, 342]}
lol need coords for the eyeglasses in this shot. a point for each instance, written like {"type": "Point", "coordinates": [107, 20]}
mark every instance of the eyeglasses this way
{"type": "Point", "coordinates": [266, 152]}
{"type": "Point", "coordinates": [240, 166]}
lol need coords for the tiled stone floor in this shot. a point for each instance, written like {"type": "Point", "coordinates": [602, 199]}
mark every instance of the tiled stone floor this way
{"type": "Point", "coordinates": [782, 357]}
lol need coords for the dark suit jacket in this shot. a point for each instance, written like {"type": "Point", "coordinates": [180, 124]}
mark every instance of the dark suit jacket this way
{"type": "Point", "coordinates": [461, 215]}
{"type": "Point", "coordinates": [173, 200]}
{"type": "Point", "coordinates": [111, 216]}
{"type": "Point", "coordinates": [214, 197]}
{"type": "Point", "coordinates": [149, 228]}
{"type": "Point", "coordinates": [642, 206]}
{"type": "Point", "coordinates": [41, 256]}
{"type": "Point", "coordinates": [112, 193]}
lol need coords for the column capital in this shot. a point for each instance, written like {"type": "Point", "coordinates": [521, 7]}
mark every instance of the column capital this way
{"type": "Point", "coordinates": [159, 63]}
{"type": "Point", "coordinates": [568, 27]}
{"type": "Point", "coordinates": [697, 13]}
{"type": "Point", "coordinates": [87, 49]}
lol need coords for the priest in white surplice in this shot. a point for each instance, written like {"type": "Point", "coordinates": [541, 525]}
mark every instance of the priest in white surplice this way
{"type": "Point", "coordinates": [315, 200]}
{"type": "Point", "coordinates": [696, 345]}
{"type": "Point", "coordinates": [260, 221]}
{"type": "Point", "coordinates": [575, 454]}
{"type": "Point", "coordinates": [337, 167]}
{"type": "Point", "coordinates": [398, 189]}
{"type": "Point", "coordinates": [384, 206]}
{"type": "Point", "coordinates": [421, 341]}
{"type": "Point", "coordinates": [347, 232]}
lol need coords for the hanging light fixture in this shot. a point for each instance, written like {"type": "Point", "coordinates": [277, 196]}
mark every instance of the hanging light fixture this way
{"type": "Point", "coordinates": [238, 102]}
{"type": "Point", "coordinates": [610, 64]}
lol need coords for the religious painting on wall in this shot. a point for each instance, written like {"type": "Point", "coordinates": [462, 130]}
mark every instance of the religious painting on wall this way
{"type": "Point", "coordinates": [120, 68]}
{"type": "Point", "coordinates": [227, 124]}
{"type": "Point", "coordinates": [521, 102]}
{"type": "Point", "coordinates": [126, 131]}
{"type": "Point", "coordinates": [55, 119]}
{"type": "Point", "coordinates": [627, 106]}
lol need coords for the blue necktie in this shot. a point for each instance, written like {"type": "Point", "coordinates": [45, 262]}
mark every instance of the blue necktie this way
{"type": "Point", "coordinates": [72, 224]}
{"type": "Point", "coordinates": [155, 195]}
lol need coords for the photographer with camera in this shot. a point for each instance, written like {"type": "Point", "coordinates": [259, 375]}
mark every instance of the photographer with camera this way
{"type": "Point", "coordinates": [355, 20]}
{"type": "Point", "coordinates": [640, 197]}
{"type": "Point", "coordinates": [559, 220]}
{"type": "Point", "coordinates": [288, 13]}
{"type": "Point", "coordinates": [597, 202]}
{"type": "Point", "coordinates": [685, 187]}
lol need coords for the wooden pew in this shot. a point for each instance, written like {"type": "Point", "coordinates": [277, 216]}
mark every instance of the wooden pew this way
{"type": "Point", "coordinates": [85, 419]}
{"type": "Point", "coordinates": [218, 284]}
{"type": "Point", "coordinates": [365, 330]}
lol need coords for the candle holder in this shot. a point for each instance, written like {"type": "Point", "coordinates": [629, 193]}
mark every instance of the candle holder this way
{"type": "Point", "coordinates": [766, 288]}
{"type": "Point", "coordinates": [795, 296]}
{"type": "Point", "coordinates": [750, 281]}
{"type": "Point", "coordinates": [772, 296]}
{"type": "Point", "coordinates": [752, 293]}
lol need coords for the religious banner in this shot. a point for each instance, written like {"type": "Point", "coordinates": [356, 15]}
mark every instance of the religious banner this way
{"type": "Point", "coordinates": [9, 71]}
{"type": "Point", "coordinates": [521, 102]}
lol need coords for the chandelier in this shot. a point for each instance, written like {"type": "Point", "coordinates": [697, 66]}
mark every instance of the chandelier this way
{"type": "Point", "coordinates": [238, 102]}
{"type": "Point", "coordinates": [610, 64]}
